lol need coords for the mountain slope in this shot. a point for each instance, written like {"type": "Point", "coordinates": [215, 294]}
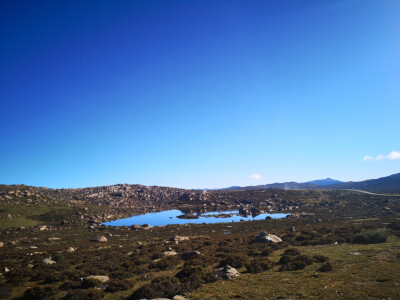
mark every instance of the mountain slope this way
{"type": "Point", "coordinates": [323, 182]}
{"type": "Point", "coordinates": [388, 184]}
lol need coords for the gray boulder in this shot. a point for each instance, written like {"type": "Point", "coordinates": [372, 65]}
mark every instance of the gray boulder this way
{"type": "Point", "coordinates": [99, 239]}
{"type": "Point", "coordinates": [49, 261]}
{"type": "Point", "coordinates": [101, 278]}
{"type": "Point", "coordinates": [264, 237]}
{"type": "Point", "coordinates": [228, 272]}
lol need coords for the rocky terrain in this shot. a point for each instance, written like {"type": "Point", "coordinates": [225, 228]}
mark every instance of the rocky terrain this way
{"type": "Point", "coordinates": [53, 246]}
{"type": "Point", "coordinates": [114, 202]}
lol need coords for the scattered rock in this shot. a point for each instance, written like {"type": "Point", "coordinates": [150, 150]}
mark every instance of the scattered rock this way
{"type": "Point", "coordinates": [264, 237]}
{"type": "Point", "coordinates": [5, 270]}
{"type": "Point", "coordinates": [101, 278]}
{"type": "Point", "coordinates": [178, 239]}
{"type": "Point", "coordinates": [228, 272]}
{"type": "Point", "coordinates": [99, 239]}
{"type": "Point", "coordinates": [48, 261]}
{"type": "Point", "coordinates": [178, 297]}
{"type": "Point", "coordinates": [146, 226]}
{"type": "Point", "coordinates": [54, 239]}
{"type": "Point", "coordinates": [136, 227]}
{"type": "Point", "coordinates": [42, 228]}
{"type": "Point", "coordinates": [71, 249]}
{"type": "Point", "coordinates": [170, 253]}
{"type": "Point", "coordinates": [291, 229]}
{"type": "Point", "coordinates": [1, 244]}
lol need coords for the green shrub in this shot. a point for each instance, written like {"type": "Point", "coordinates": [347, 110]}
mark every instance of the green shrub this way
{"type": "Point", "coordinates": [55, 277]}
{"type": "Point", "coordinates": [194, 276]}
{"type": "Point", "coordinates": [59, 258]}
{"type": "Point", "coordinates": [291, 252]}
{"type": "Point", "coordinates": [327, 266]}
{"type": "Point", "coordinates": [166, 263]}
{"type": "Point", "coordinates": [320, 258]}
{"type": "Point", "coordinates": [39, 293]}
{"type": "Point", "coordinates": [293, 266]}
{"type": "Point", "coordinates": [5, 291]}
{"type": "Point", "coordinates": [88, 283]}
{"type": "Point", "coordinates": [234, 260]}
{"type": "Point", "coordinates": [117, 286]}
{"type": "Point", "coordinates": [266, 252]}
{"type": "Point", "coordinates": [159, 287]}
{"type": "Point", "coordinates": [258, 266]}
{"type": "Point", "coordinates": [70, 285]}
{"type": "Point", "coordinates": [121, 275]}
{"type": "Point", "coordinates": [371, 237]}
{"type": "Point", "coordinates": [84, 295]}
{"type": "Point", "coordinates": [294, 263]}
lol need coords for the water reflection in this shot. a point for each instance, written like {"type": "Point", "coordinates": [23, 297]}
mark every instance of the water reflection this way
{"type": "Point", "coordinates": [170, 217]}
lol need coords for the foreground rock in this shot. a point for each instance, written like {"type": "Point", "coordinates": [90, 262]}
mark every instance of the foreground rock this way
{"type": "Point", "coordinates": [228, 272]}
{"type": "Point", "coordinates": [140, 227]}
{"type": "Point", "coordinates": [99, 239]}
{"type": "Point", "coordinates": [178, 239]}
{"type": "Point", "coordinates": [49, 261]}
{"type": "Point", "coordinates": [42, 228]}
{"type": "Point", "coordinates": [264, 237]}
{"type": "Point", "coordinates": [170, 253]}
{"type": "Point", "coordinates": [101, 278]}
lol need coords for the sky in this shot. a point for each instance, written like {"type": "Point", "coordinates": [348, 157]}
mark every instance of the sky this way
{"type": "Point", "coordinates": [198, 94]}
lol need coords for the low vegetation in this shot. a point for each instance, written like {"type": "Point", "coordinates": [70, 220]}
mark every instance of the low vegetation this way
{"type": "Point", "coordinates": [319, 256]}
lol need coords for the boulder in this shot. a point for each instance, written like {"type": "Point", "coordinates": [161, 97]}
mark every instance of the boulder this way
{"type": "Point", "coordinates": [170, 253]}
{"type": "Point", "coordinates": [1, 244]}
{"type": "Point", "coordinates": [178, 239]}
{"type": "Point", "coordinates": [71, 249]}
{"type": "Point", "coordinates": [136, 227]}
{"type": "Point", "coordinates": [264, 237]}
{"type": "Point", "coordinates": [228, 272]}
{"type": "Point", "coordinates": [99, 239]}
{"type": "Point", "coordinates": [42, 228]}
{"type": "Point", "coordinates": [146, 226]}
{"type": "Point", "coordinates": [48, 261]}
{"type": "Point", "coordinates": [101, 278]}
{"type": "Point", "coordinates": [178, 297]}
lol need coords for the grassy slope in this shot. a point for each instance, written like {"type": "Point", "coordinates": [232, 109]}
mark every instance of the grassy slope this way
{"type": "Point", "coordinates": [373, 274]}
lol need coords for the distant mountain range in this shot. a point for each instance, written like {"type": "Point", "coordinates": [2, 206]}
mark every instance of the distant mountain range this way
{"type": "Point", "coordinates": [324, 182]}
{"type": "Point", "coordinates": [388, 184]}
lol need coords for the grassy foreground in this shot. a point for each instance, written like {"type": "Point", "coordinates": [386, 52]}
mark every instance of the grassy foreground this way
{"type": "Point", "coordinates": [135, 262]}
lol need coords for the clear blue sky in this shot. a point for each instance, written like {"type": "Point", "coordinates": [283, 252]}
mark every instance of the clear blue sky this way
{"type": "Point", "coordinates": [198, 94]}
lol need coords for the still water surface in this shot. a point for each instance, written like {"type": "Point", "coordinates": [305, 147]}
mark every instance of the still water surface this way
{"type": "Point", "coordinates": [170, 217]}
